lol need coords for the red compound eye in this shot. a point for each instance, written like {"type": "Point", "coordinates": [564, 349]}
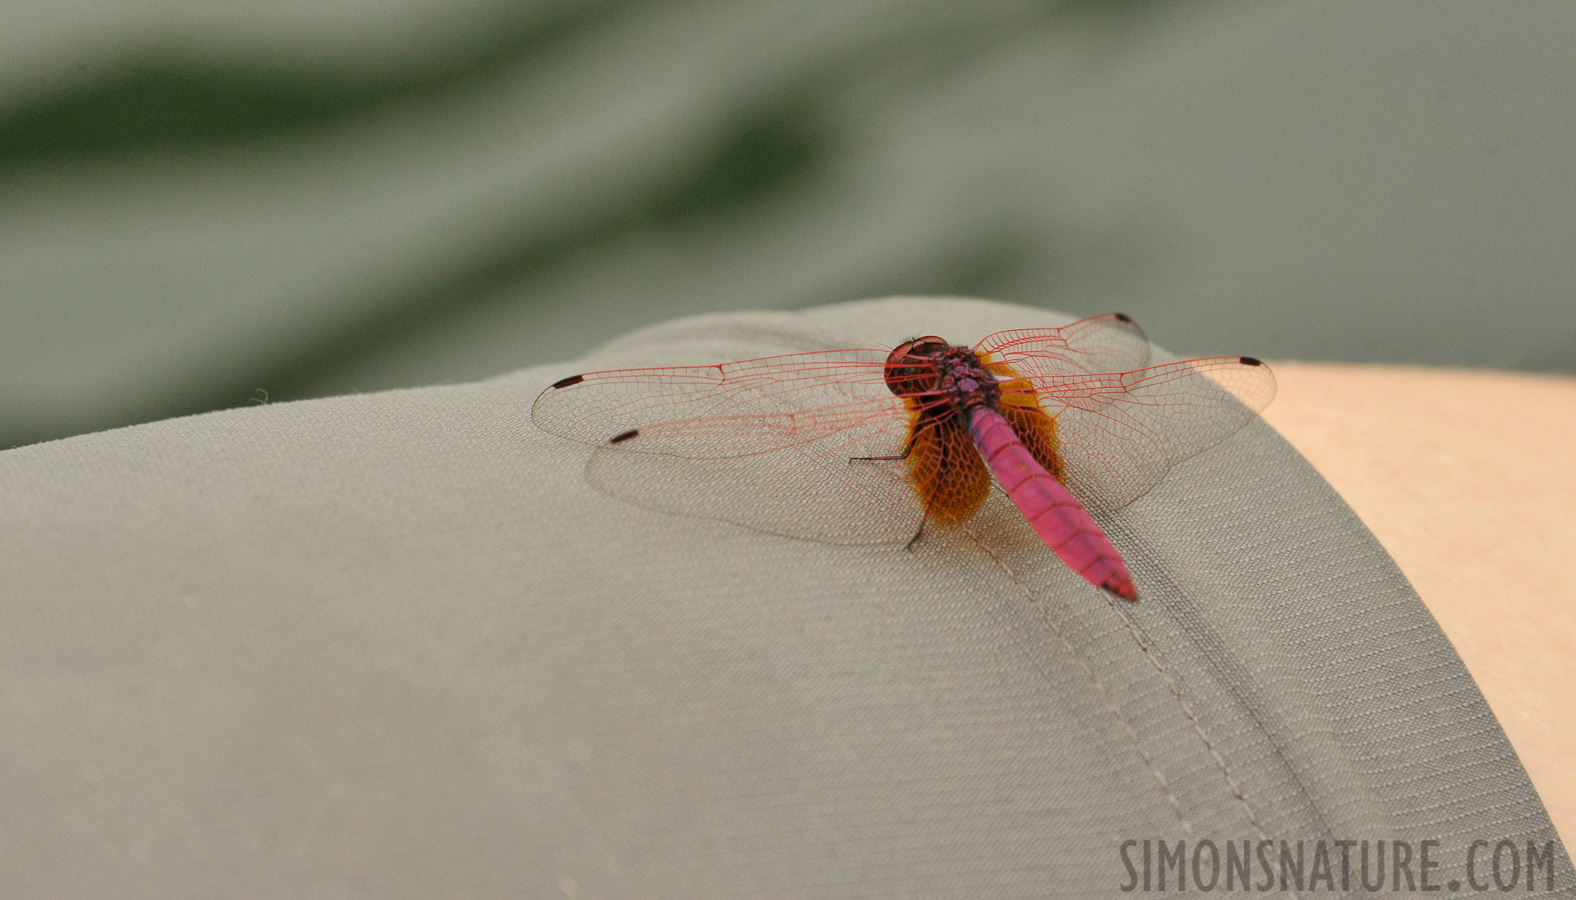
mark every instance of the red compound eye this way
{"type": "Point", "coordinates": [910, 367]}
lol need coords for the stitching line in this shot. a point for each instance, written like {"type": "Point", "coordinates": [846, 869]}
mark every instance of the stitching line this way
{"type": "Point", "coordinates": [1139, 638]}
{"type": "Point", "coordinates": [1165, 787]}
{"type": "Point", "coordinates": [1198, 728]}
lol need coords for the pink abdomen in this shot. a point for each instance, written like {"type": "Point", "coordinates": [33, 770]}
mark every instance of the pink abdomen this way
{"type": "Point", "coordinates": [1056, 516]}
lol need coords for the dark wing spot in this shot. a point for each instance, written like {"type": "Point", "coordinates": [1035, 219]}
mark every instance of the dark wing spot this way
{"type": "Point", "coordinates": [623, 437]}
{"type": "Point", "coordinates": [1250, 361]}
{"type": "Point", "coordinates": [566, 382]}
{"type": "Point", "coordinates": [1122, 317]}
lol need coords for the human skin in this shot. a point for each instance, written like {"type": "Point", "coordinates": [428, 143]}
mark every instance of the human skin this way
{"type": "Point", "coordinates": [1469, 481]}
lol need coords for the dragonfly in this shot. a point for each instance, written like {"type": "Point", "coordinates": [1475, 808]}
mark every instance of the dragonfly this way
{"type": "Point", "coordinates": [871, 445]}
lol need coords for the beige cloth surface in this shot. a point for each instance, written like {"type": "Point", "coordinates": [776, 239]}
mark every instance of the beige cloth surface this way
{"type": "Point", "coordinates": [392, 645]}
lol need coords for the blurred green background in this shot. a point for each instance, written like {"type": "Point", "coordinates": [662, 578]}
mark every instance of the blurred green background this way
{"type": "Point", "coordinates": [206, 203]}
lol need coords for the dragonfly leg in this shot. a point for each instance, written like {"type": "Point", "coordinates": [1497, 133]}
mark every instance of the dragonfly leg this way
{"type": "Point", "coordinates": [907, 449]}
{"type": "Point", "coordinates": [915, 539]}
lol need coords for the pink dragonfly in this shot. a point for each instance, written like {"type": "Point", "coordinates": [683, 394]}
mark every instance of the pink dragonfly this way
{"type": "Point", "coordinates": [867, 446]}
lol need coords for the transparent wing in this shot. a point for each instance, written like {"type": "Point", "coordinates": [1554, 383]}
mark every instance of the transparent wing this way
{"type": "Point", "coordinates": [1123, 426]}
{"type": "Point", "coordinates": [1106, 343]}
{"type": "Point", "coordinates": [803, 445]}
{"type": "Point", "coordinates": [1120, 433]}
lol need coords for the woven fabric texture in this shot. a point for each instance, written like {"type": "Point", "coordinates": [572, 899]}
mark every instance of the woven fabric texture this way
{"type": "Point", "coordinates": [393, 645]}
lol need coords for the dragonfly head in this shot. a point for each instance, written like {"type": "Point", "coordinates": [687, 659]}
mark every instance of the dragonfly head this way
{"type": "Point", "coordinates": [911, 367]}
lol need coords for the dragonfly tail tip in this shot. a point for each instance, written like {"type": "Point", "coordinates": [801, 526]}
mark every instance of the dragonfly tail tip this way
{"type": "Point", "coordinates": [1122, 587]}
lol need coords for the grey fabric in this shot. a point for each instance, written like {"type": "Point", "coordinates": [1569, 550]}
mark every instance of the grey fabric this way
{"type": "Point", "coordinates": [392, 645]}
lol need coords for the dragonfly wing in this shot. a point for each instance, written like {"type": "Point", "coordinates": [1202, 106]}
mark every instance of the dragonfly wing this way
{"type": "Point", "coordinates": [804, 445]}
{"type": "Point", "coordinates": [1120, 433]}
{"type": "Point", "coordinates": [1106, 343]}
{"type": "Point", "coordinates": [819, 489]}
{"type": "Point", "coordinates": [734, 409]}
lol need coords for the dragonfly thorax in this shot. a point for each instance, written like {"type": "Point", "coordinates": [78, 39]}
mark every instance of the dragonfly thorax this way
{"type": "Point", "coordinates": [938, 374]}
